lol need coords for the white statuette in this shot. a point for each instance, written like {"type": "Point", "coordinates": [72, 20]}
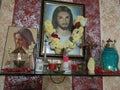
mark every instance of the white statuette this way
{"type": "Point", "coordinates": [91, 66]}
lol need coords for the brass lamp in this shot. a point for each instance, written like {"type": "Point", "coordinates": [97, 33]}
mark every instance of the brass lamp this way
{"type": "Point", "coordinates": [19, 57]}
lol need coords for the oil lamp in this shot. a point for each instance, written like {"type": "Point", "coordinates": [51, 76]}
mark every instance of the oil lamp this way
{"type": "Point", "coordinates": [19, 57]}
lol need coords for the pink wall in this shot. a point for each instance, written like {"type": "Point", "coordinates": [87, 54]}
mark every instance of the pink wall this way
{"type": "Point", "coordinates": [92, 30]}
{"type": "Point", "coordinates": [27, 13]}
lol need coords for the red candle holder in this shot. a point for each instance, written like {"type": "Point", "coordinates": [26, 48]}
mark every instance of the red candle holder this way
{"type": "Point", "coordinates": [74, 67]}
{"type": "Point", "coordinates": [52, 66]}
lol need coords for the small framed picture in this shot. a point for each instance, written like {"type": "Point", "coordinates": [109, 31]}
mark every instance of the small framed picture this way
{"type": "Point", "coordinates": [58, 28]}
{"type": "Point", "coordinates": [19, 47]}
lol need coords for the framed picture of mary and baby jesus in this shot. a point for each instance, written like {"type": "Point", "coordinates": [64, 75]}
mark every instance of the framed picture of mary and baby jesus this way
{"type": "Point", "coordinates": [19, 50]}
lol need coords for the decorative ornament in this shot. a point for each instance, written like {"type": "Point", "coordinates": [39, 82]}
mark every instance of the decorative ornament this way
{"type": "Point", "coordinates": [110, 56]}
{"type": "Point", "coordinates": [89, 45]}
{"type": "Point", "coordinates": [65, 61]}
{"type": "Point", "coordinates": [91, 65]}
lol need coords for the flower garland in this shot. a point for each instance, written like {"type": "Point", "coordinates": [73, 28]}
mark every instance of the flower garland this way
{"type": "Point", "coordinates": [30, 50]}
{"type": "Point", "coordinates": [74, 39]}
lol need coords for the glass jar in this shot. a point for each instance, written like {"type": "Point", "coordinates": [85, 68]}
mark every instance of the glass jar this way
{"type": "Point", "coordinates": [65, 64]}
{"type": "Point", "coordinates": [110, 59]}
{"type": "Point", "coordinates": [39, 64]}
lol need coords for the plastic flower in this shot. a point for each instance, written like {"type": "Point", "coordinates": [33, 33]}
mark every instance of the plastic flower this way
{"type": "Point", "coordinates": [30, 50]}
{"type": "Point", "coordinates": [68, 45]}
{"type": "Point", "coordinates": [49, 28]}
{"type": "Point", "coordinates": [81, 20]}
{"type": "Point", "coordinates": [57, 51]}
{"type": "Point", "coordinates": [9, 52]}
{"type": "Point", "coordinates": [54, 36]}
{"type": "Point", "coordinates": [76, 38]}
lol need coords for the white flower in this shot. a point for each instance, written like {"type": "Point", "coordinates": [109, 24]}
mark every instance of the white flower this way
{"type": "Point", "coordinates": [30, 50]}
{"type": "Point", "coordinates": [9, 51]}
{"type": "Point", "coordinates": [70, 44]}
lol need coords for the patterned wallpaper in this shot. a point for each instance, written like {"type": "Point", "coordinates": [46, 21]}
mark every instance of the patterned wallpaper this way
{"type": "Point", "coordinates": [110, 28]}
{"type": "Point", "coordinates": [6, 13]}
{"type": "Point", "coordinates": [93, 31]}
{"type": "Point", "coordinates": [26, 14]}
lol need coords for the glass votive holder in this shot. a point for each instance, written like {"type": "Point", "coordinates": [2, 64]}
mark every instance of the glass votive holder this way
{"type": "Point", "coordinates": [39, 65]}
{"type": "Point", "coordinates": [19, 61]}
{"type": "Point", "coordinates": [74, 67]}
{"type": "Point", "coordinates": [52, 66]}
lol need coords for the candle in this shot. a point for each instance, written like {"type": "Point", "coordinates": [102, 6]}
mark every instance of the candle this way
{"type": "Point", "coordinates": [52, 66]}
{"type": "Point", "coordinates": [19, 62]}
{"type": "Point", "coordinates": [19, 57]}
{"type": "Point", "coordinates": [74, 67]}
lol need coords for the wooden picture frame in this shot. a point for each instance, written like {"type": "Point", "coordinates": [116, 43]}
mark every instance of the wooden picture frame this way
{"type": "Point", "coordinates": [47, 13]}
{"type": "Point", "coordinates": [19, 37]}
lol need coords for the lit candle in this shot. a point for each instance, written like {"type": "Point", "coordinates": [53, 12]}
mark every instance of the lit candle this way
{"type": "Point", "coordinates": [19, 57]}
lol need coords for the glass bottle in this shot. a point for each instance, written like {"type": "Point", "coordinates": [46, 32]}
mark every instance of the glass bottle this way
{"type": "Point", "coordinates": [65, 65]}
{"type": "Point", "coordinates": [39, 64]}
